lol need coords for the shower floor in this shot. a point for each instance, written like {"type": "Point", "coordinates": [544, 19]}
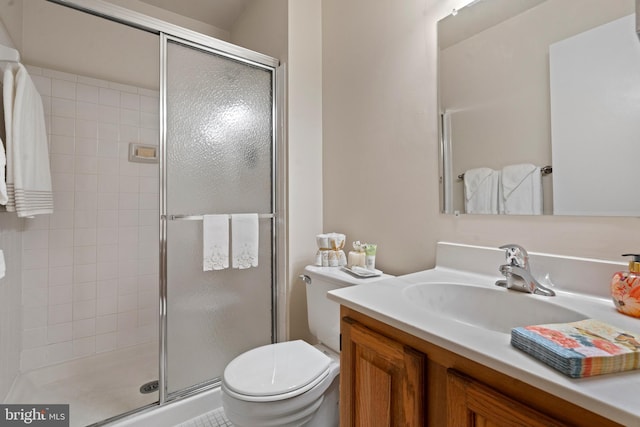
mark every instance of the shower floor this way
{"type": "Point", "coordinates": [95, 387]}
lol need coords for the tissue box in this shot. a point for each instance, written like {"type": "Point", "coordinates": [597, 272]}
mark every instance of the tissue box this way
{"type": "Point", "coordinates": [580, 349]}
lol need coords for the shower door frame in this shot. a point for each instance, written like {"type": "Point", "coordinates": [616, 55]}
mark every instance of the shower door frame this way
{"type": "Point", "coordinates": [171, 32]}
{"type": "Point", "coordinates": [164, 395]}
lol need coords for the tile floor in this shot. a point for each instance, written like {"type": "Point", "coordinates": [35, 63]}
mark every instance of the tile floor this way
{"type": "Point", "coordinates": [215, 418]}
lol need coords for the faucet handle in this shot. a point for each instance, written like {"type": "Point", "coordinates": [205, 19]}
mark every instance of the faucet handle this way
{"type": "Point", "coordinates": [516, 255]}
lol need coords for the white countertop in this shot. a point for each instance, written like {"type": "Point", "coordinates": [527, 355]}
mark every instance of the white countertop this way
{"type": "Point", "coordinates": [614, 396]}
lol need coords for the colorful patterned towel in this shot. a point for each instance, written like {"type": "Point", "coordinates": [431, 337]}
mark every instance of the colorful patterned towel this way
{"type": "Point", "coordinates": [580, 349]}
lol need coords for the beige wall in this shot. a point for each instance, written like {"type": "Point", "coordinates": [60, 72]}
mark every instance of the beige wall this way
{"type": "Point", "coordinates": [380, 146]}
{"type": "Point", "coordinates": [63, 39]}
{"type": "Point", "coordinates": [11, 16]}
{"type": "Point", "coordinates": [262, 27]}
{"type": "Point", "coordinates": [174, 18]}
{"type": "Point", "coordinates": [304, 151]}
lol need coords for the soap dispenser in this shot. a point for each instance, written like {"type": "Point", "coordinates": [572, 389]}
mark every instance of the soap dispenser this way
{"type": "Point", "coordinates": [625, 288]}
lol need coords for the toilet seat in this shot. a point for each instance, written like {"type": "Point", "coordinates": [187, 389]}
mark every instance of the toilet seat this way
{"type": "Point", "coordinates": [276, 371]}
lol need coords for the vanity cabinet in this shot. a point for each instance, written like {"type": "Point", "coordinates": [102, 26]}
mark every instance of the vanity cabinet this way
{"type": "Point", "coordinates": [389, 377]}
{"type": "Point", "coordinates": [471, 404]}
{"type": "Point", "coordinates": [385, 379]}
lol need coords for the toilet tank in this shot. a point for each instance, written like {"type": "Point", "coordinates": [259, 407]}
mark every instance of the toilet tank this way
{"type": "Point", "coordinates": [323, 313]}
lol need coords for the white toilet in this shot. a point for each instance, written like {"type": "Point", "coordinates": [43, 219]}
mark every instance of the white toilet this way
{"type": "Point", "coordinates": [293, 383]}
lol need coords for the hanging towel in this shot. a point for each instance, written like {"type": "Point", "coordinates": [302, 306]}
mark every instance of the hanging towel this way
{"type": "Point", "coordinates": [31, 174]}
{"type": "Point", "coordinates": [481, 191]}
{"type": "Point", "coordinates": [8, 82]}
{"type": "Point", "coordinates": [244, 240]}
{"type": "Point", "coordinates": [215, 242]}
{"type": "Point", "coordinates": [4, 198]}
{"type": "Point", "coordinates": [3, 266]}
{"type": "Point", "coordinates": [521, 190]}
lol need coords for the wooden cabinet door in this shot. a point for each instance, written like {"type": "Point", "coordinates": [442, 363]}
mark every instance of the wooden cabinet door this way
{"type": "Point", "coordinates": [473, 404]}
{"type": "Point", "coordinates": [381, 380]}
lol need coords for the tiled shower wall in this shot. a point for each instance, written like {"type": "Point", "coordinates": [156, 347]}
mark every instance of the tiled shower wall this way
{"type": "Point", "coordinates": [90, 270]}
{"type": "Point", "coordinates": [11, 244]}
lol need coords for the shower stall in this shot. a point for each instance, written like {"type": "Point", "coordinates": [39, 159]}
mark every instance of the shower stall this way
{"type": "Point", "coordinates": [116, 314]}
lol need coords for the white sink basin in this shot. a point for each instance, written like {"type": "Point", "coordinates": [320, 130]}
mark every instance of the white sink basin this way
{"type": "Point", "coordinates": [496, 309]}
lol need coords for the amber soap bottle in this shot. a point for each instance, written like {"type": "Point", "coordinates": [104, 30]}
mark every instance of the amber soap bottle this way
{"type": "Point", "coordinates": [625, 288]}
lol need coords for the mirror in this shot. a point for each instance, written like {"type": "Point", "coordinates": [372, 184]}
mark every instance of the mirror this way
{"type": "Point", "coordinates": [544, 83]}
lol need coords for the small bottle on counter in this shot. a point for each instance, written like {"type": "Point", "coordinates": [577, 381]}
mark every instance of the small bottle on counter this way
{"type": "Point", "coordinates": [370, 256]}
{"type": "Point", "coordinates": [356, 259]}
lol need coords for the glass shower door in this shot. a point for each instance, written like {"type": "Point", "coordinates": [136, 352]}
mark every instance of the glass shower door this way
{"type": "Point", "coordinates": [218, 160]}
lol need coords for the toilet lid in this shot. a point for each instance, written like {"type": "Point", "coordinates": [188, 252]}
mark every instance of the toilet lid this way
{"type": "Point", "coordinates": [275, 369]}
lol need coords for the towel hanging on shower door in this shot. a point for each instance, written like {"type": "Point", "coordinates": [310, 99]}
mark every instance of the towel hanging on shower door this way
{"type": "Point", "coordinates": [4, 197]}
{"type": "Point", "coordinates": [215, 242]}
{"type": "Point", "coordinates": [244, 240]}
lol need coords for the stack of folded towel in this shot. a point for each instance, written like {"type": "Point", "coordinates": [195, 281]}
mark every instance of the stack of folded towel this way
{"type": "Point", "coordinates": [580, 349]}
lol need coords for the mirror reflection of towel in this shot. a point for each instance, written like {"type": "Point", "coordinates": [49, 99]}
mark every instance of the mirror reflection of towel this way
{"type": "Point", "coordinates": [481, 191]}
{"type": "Point", "coordinates": [521, 190]}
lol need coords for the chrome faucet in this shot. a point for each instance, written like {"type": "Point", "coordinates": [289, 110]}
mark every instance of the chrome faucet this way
{"type": "Point", "coordinates": [517, 273]}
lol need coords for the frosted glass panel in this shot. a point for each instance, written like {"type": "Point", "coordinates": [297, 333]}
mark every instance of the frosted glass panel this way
{"type": "Point", "coordinates": [219, 134]}
{"type": "Point", "coordinates": [219, 160]}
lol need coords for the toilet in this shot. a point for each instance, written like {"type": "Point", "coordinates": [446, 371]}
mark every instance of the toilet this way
{"type": "Point", "coordinates": [293, 383]}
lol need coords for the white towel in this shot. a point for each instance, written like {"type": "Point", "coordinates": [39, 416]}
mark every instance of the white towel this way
{"type": "Point", "coordinates": [31, 174]}
{"type": "Point", "coordinates": [521, 190]}
{"type": "Point", "coordinates": [8, 82]}
{"type": "Point", "coordinates": [4, 198]}
{"type": "Point", "coordinates": [3, 266]}
{"type": "Point", "coordinates": [244, 240]}
{"type": "Point", "coordinates": [481, 191]}
{"type": "Point", "coordinates": [215, 242]}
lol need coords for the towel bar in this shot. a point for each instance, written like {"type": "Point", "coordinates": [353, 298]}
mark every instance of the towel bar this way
{"type": "Point", "coordinates": [545, 170]}
{"type": "Point", "coordinates": [200, 217]}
